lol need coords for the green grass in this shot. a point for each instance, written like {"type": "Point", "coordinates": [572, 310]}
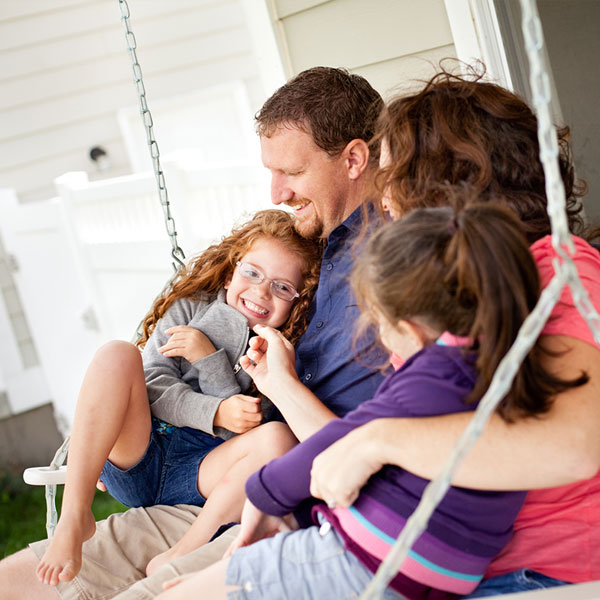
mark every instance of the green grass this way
{"type": "Point", "coordinates": [23, 512]}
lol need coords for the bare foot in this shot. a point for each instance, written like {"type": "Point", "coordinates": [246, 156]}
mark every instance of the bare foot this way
{"type": "Point", "coordinates": [161, 559]}
{"type": "Point", "coordinates": [62, 559]}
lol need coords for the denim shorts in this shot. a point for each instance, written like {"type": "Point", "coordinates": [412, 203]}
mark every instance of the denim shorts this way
{"type": "Point", "coordinates": [298, 565]}
{"type": "Point", "coordinates": [523, 580]}
{"type": "Point", "coordinates": [168, 471]}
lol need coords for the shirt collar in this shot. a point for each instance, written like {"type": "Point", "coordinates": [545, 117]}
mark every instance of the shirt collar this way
{"type": "Point", "coordinates": [352, 224]}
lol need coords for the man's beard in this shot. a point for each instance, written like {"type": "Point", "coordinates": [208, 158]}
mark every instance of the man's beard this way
{"type": "Point", "coordinates": [311, 228]}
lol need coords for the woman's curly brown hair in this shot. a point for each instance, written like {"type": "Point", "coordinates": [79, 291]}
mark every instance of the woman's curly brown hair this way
{"type": "Point", "coordinates": [208, 272]}
{"type": "Point", "coordinates": [461, 129]}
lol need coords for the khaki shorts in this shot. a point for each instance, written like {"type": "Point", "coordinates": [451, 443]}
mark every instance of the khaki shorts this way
{"type": "Point", "coordinates": [115, 558]}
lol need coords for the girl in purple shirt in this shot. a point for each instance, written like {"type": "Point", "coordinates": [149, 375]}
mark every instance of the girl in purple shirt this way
{"type": "Point", "coordinates": [468, 273]}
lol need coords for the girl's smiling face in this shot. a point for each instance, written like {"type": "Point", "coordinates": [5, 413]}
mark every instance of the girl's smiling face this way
{"type": "Point", "coordinates": [256, 301]}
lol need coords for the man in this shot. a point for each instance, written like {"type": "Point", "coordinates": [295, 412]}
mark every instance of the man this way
{"type": "Point", "coordinates": [314, 133]}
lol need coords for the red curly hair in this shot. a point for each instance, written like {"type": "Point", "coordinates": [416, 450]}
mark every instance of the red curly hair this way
{"type": "Point", "coordinates": [207, 273]}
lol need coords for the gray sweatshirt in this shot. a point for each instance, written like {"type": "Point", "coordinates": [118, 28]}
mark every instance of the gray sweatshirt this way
{"type": "Point", "coordinates": [188, 394]}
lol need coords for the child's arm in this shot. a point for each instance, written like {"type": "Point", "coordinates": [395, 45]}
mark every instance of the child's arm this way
{"type": "Point", "coordinates": [562, 446]}
{"type": "Point", "coordinates": [434, 381]}
{"type": "Point", "coordinates": [281, 485]}
{"type": "Point", "coordinates": [174, 400]}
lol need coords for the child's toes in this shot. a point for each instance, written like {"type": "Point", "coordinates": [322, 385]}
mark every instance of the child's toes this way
{"type": "Point", "coordinates": [68, 572]}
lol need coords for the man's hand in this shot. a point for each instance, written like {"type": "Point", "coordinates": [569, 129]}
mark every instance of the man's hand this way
{"type": "Point", "coordinates": [188, 343]}
{"type": "Point", "coordinates": [238, 413]}
{"type": "Point", "coordinates": [269, 360]}
{"type": "Point", "coordinates": [340, 471]}
{"type": "Point", "coordinates": [256, 525]}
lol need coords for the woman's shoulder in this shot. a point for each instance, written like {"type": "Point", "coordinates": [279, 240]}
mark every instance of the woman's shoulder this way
{"type": "Point", "coordinates": [585, 255]}
{"type": "Point", "coordinates": [566, 319]}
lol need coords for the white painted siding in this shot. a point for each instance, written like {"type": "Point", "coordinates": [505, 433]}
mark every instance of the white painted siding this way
{"type": "Point", "coordinates": [390, 42]}
{"type": "Point", "coordinates": [65, 72]}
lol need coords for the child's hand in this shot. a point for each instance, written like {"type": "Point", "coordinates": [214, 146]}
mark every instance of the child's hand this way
{"type": "Point", "coordinates": [256, 525]}
{"type": "Point", "coordinates": [238, 413]}
{"type": "Point", "coordinates": [188, 343]}
{"type": "Point", "coordinates": [270, 357]}
{"type": "Point", "coordinates": [340, 471]}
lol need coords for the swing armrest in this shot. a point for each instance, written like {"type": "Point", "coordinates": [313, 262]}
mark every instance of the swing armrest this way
{"type": "Point", "coordinates": [45, 475]}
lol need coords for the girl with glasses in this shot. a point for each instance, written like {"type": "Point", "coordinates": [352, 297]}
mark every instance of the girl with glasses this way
{"type": "Point", "coordinates": [159, 427]}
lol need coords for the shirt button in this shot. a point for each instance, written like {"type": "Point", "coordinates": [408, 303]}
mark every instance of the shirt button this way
{"type": "Point", "coordinates": [307, 377]}
{"type": "Point", "coordinates": [329, 266]}
{"type": "Point", "coordinates": [320, 324]}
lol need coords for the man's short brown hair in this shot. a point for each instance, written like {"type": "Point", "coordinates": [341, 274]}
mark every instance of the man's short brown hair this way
{"type": "Point", "coordinates": [331, 104]}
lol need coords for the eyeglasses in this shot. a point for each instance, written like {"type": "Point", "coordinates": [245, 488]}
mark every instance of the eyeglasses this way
{"type": "Point", "coordinates": [281, 289]}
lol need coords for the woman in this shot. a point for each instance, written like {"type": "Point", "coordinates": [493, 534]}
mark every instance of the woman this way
{"type": "Point", "coordinates": [461, 131]}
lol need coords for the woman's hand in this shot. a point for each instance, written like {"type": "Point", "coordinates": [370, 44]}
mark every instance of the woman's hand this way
{"type": "Point", "coordinates": [187, 342]}
{"type": "Point", "coordinates": [238, 413]}
{"type": "Point", "coordinates": [269, 360]}
{"type": "Point", "coordinates": [256, 525]}
{"type": "Point", "coordinates": [340, 471]}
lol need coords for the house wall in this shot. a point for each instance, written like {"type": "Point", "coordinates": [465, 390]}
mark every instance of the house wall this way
{"type": "Point", "coordinates": [390, 42]}
{"type": "Point", "coordinates": [65, 71]}
{"type": "Point", "coordinates": [572, 34]}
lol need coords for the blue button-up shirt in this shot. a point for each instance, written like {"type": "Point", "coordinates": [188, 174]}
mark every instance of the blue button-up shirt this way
{"type": "Point", "coordinates": [326, 354]}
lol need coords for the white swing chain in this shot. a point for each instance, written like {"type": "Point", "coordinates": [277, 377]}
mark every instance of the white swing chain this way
{"type": "Point", "coordinates": [176, 252]}
{"type": "Point", "coordinates": [565, 273]}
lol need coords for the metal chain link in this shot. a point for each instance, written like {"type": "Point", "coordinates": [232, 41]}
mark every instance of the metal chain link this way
{"type": "Point", "coordinates": [565, 273]}
{"type": "Point", "coordinates": [176, 252]}
{"type": "Point", "coordinates": [50, 489]}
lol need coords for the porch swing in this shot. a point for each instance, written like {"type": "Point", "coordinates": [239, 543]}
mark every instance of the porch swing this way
{"type": "Point", "coordinates": [565, 274]}
{"type": "Point", "coordinates": [55, 473]}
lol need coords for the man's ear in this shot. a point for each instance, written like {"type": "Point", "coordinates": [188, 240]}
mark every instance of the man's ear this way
{"type": "Point", "coordinates": [356, 154]}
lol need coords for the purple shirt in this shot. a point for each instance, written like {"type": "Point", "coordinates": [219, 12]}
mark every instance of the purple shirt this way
{"type": "Point", "coordinates": [468, 528]}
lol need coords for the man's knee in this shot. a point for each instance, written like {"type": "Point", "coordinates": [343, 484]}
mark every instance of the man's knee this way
{"type": "Point", "coordinates": [149, 587]}
{"type": "Point", "coordinates": [18, 579]}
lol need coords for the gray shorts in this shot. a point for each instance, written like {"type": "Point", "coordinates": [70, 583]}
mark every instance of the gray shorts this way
{"type": "Point", "coordinates": [115, 558]}
{"type": "Point", "coordinates": [299, 565]}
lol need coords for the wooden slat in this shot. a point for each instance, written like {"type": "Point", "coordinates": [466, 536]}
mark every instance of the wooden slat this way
{"type": "Point", "coordinates": [26, 150]}
{"type": "Point", "coordinates": [16, 9]}
{"type": "Point", "coordinates": [354, 33]}
{"type": "Point", "coordinates": [105, 71]}
{"type": "Point", "coordinates": [285, 8]}
{"type": "Point", "coordinates": [76, 107]}
{"type": "Point", "coordinates": [41, 27]}
{"type": "Point", "coordinates": [406, 73]}
{"type": "Point", "coordinates": [41, 175]}
{"type": "Point", "coordinates": [174, 29]}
